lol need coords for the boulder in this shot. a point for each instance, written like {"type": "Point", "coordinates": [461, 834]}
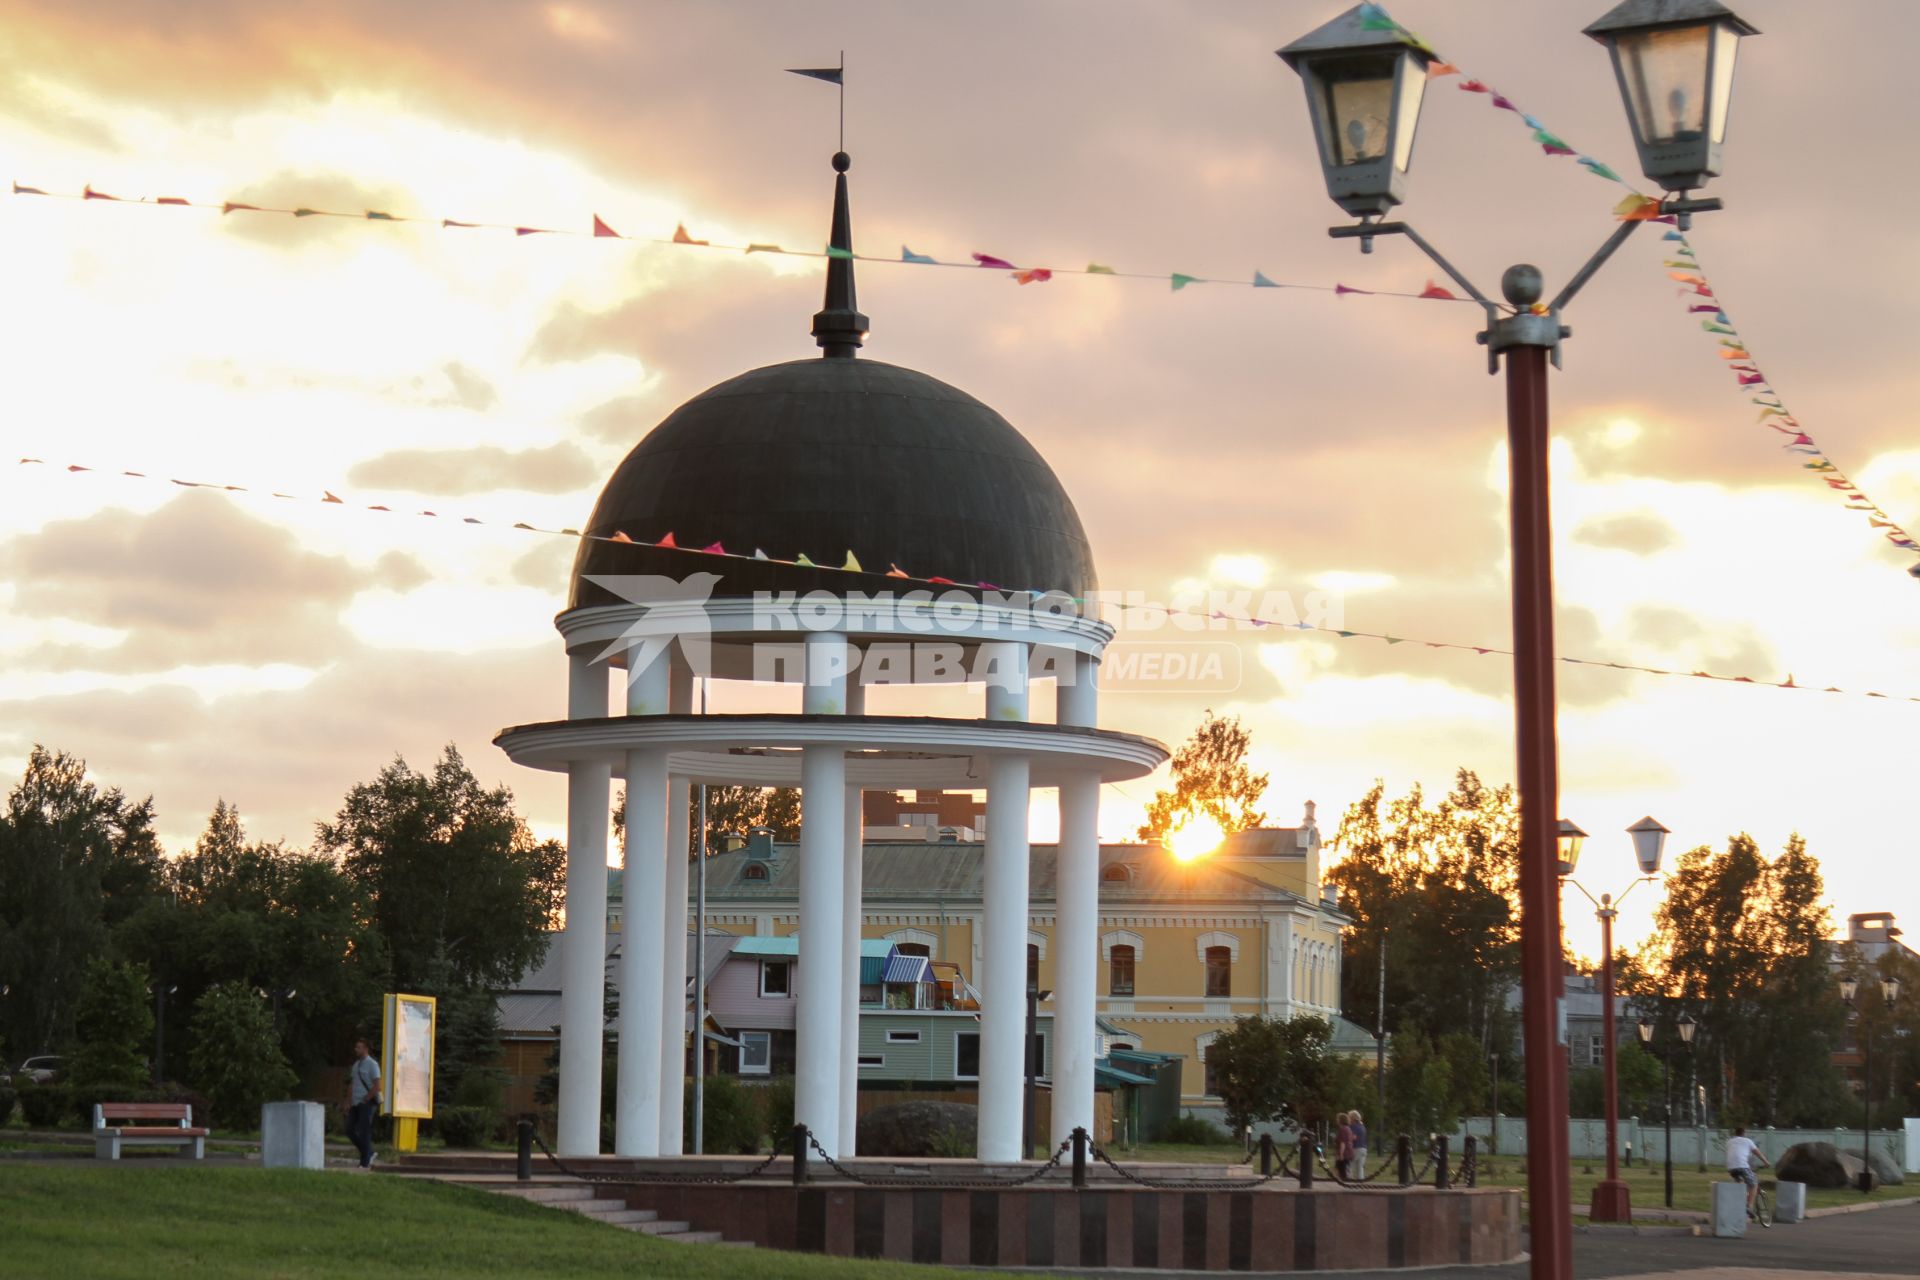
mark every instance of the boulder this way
{"type": "Point", "coordinates": [918, 1129]}
{"type": "Point", "coordinates": [1885, 1171]}
{"type": "Point", "coordinates": [1818, 1164]}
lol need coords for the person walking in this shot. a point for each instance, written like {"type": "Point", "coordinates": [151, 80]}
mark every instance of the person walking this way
{"type": "Point", "coordinates": [1741, 1152]}
{"type": "Point", "coordinates": [363, 1099]}
{"type": "Point", "coordinates": [1359, 1127]}
{"type": "Point", "coordinates": [1342, 1147]}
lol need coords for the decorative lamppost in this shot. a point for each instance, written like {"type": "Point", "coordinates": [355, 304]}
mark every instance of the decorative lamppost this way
{"type": "Point", "coordinates": [1889, 992]}
{"type": "Point", "coordinates": [1611, 1202]}
{"type": "Point", "coordinates": [1685, 1026]}
{"type": "Point", "coordinates": [1364, 87]}
{"type": "Point", "coordinates": [1034, 998]}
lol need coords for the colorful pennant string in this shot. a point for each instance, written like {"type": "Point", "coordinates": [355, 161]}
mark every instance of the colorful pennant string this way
{"type": "Point", "coordinates": [851, 564]}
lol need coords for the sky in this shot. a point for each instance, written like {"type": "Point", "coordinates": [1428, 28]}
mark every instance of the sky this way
{"type": "Point", "coordinates": [196, 644]}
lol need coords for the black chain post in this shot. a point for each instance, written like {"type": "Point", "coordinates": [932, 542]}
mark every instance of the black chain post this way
{"type": "Point", "coordinates": [1266, 1155]}
{"type": "Point", "coordinates": [1080, 1142]}
{"type": "Point", "coordinates": [800, 1138]}
{"type": "Point", "coordinates": [523, 1153]}
{"type": "Point", "coordinates": [1442, 1177]}
{"type": "Point", "coordinates": [1403, 1149]}
{"type": "Point", "coordinates": [1306, 1160]}
{"type": "Point", "coordinates": [1473, 1161]}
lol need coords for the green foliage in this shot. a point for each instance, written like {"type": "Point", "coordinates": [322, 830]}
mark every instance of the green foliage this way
{"type": "Point", "coordinates": [1431, 1083]}
{"type": "Point", "coordinates": [465, 1128]}
{"type": "Point", "coordinates": [732, 1117]}
{"type": "Point", "coordinates": [1211, 777]}
{"type": "Point", "coordinates": [1435, 886]}
{"type": "Point", "coordinates": [951, 1144]}
{"type": "Point", "coordinates": [46, 1106]}
{"type": "Point", "coordinates": [1187, 1129]}
{"type": "Point", "coordinates": [75, 861]}
{"type": "Point", "coordinates": [7, 1098]}
{"type": "Point", "coordinates": [114, 1021]}
{"type": "Point", "coordinates": [236, 1059]}
{"type": "Point", "coordinates": [1275, 1069]}
{"type": "Point", "coordinates": [776, 1104]}
{"type": "Point", "coordinates": [450, 876]}
{"type": "Point", "coordinates": [736, 809]}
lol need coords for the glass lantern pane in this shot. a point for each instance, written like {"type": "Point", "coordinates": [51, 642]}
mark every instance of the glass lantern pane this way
{"type": "Point", "coordinates": [1725, 43]}
{"type": "Point", "coordinates": [1359, 114]}
{"type": "Point", "coordinates": [1666, 77]}
{"type": "Point", "coordinates": [1413, 83]}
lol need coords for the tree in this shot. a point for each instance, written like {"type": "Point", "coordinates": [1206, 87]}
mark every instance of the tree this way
{"type": "Point", "coordinates": [1279, 1070]}
{"type": "Point", "coordinates": [114, 1022]}
{"type": "Point", "coordinates": [451, 878]}
{"type": "Point", "coordinates": [236, 1058]}
{"type": "Point", "coordinates": [1210, 778]}
{"type": "Point", "coordinates": [1434, 886]}
{"type": "Point", "coordinates": [1433, 1081]}
{"type": "Point", "coordinates": [736, 809]}
{"type": "Point", "coordinates": [74, 862]}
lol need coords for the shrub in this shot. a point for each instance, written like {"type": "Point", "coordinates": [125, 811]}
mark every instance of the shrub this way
{"type": "Point", "coordinates": [237, 1061]}
{"type": "Point", "coordinates": [460, 1127]}
{"type": "Point", "coordinates": [46, 1106]}
{"type": "Point", "coordinates": [732, 1120]}
{"type": "Point", "coordinates": [951, 1144]}
{"type": "Point", "coordinates": [6, 1102]}
{"type": "Point", "coordinates": [776, 1100]}
{"type": "Point", "coordinates": [114, 1020]}
{"type": "Point", "coordinates": [1191, 1130]}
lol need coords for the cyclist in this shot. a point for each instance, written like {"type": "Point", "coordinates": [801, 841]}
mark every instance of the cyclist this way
{"type": "Point", "coordinates": [1741, 1152]}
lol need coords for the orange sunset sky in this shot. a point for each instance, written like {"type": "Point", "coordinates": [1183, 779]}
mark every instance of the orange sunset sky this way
{"type": "Point", "coordinates": [198, 645]}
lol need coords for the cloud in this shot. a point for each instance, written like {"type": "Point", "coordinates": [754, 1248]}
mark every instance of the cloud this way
{"type": "Point", "coordinates": [1641, 533]}
{"type": "Point", "coordinates": [332, 192]}
{"type": "Point", "coordinates": [468, 390]}
{"type": "Point", "coordinates": [546, 567]}
{"type": "Point", "coordinates": [197, 582]}
{"type": "Point", "coordinates": [557, 468]}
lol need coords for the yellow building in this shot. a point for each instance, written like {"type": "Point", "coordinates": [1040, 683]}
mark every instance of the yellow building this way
{"type": "Point", "coordinates": [1185, 948]}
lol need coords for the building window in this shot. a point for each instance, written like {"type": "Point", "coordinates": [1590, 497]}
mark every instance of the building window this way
{"type": "Point", "coordinates": [1115, 873]}
{"type": "Point", "coordinates": [1120, 971]}
{"type": "Point", "coordinates": [872, 1060]}
{"type": "Point", "coordinates": [1033, 967]}
{"type": "Point", "coordinates": [914, 949]}
{"type": "Point", "coordinates": [903, 1037]}
{"type": "Point", "coordinates": [1212, 1081]}
{"type": "Point", "coordinates": [754, 871]}
{"type": "Point", "coordinates": [966, 1055]}
{"type": "Point", "coordinates": [776, 978]}
{"type": "Point", "coordinates": [756, 1052]}
{"type": "Point", "coordinates": [1219, 975]}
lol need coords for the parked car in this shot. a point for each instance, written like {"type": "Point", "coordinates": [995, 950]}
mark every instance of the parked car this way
{"type": "Point", "coordinates": [41, 1070]}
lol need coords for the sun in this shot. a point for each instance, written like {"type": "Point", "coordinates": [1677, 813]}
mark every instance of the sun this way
{"type": "Point", "coordinates": [1198, 836]}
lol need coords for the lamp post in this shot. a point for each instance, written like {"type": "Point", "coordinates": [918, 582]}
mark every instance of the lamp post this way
{"type": "Point", "coordinates": [1611, 1201]}
{"type": "Point", "coordinates": [1364, 86]}
{"type": "Point", "coordinates": [1034, 997]}
{"type": "Point", "coordinates": [160, 995]}
{"type": "Point", "coordinates": [1889, 992]}
{"type": "Point", "coordinates": [1685, 1026]}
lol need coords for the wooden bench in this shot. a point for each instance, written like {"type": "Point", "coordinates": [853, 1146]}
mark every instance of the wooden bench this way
{"type": "Point", "coordinates": [110, 1132]}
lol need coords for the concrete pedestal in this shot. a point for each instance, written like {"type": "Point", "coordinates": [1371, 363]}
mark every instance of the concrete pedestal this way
{"type": "Point", "coordinates": [1729, 1209]}
{"type": "Point", "coordinates": [1789, 1201]}
{"type": "Point", "coordinates": [1611, 1202]}
{"type": "Point", "coordinates": [293, 1135]}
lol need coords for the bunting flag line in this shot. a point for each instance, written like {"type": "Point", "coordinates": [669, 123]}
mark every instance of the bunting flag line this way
{"type": "Point", "coordinates": [851, 564]}
{"type": "Point", "coordinates": [598, 228]}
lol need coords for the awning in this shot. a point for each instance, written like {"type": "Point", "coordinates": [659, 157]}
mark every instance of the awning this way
{"type": "Point", "coordinates": [871, 969]}
{"type": "Point", "coordinates": [905, 969]}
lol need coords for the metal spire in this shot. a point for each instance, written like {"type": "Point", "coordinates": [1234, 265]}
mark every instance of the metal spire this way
{"type": "Point", "coordinates": [838, 326]}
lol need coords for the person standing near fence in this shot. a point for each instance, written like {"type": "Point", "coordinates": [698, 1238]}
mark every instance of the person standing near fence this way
{"type": "Point", "coordinates": [1359, 1126]}
{"type": "Point", "coordinates": [363, 1098]}
{"type": "Point", "coordinates": [1343, 1147]}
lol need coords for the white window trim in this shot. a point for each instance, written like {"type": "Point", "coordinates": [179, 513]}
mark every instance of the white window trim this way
{"type": "Point", "coordinates": [776, 995]}
{"type": "Point", "coordinates": [918, 937]}
{"type": "Point", "coordinates": [1123, 938]}
{"type": "Point", "coordinates": [956, 1055]}
{"type": "Point", "coordinates": [767, 1067]}
{"type": "Point", "coordinates": [879, 1061]}
{"type": "Point", "coordinates": [1217, 938]}
{"type": "Point", "coordinates": [1038, 940]}
{"type": "Point", "coordinates": [1201, 1043]}
{"type": "Point", "coordinates": [903, 1037]}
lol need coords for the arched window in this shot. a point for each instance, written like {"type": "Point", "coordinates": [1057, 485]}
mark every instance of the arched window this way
{"type": "Point", "coordinates": [754, 871]}
{"type": "Point", "coordinates": [914, 949]}
{"type": "Point", "coordinates": [1115, 873]}
{"type": "Point", "coordinates": [1219, 974]}
{"type": "Point", "coordinates": [1120, 970]}
{"type": "Point", "coordinates": [1203, 1044]}
{"type": "Point", "coordinates": [1033, 966]}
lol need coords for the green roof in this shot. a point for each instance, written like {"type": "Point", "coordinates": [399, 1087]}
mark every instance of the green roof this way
{"type": "Point", "coordinates": [761, 946]}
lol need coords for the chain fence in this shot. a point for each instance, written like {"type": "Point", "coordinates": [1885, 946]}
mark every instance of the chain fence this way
{"type": "Point", "coordinates": [923, 1180]}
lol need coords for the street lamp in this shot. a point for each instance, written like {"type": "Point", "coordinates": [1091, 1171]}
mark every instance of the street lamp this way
{"type": "Point", "coordinates": [1611, 1201]}
{"type": "Point", "coordinates": [1367, 180]}
{"type": "Point", "coordinates": [1685, 1027]}
{"type": "Point", "coordinates": [1889, 992]}
{"type": "Point", "coordinates": [1034, 997]}
{"type": "Point", "coordinates": [160, 995]}
{"type": "Point", "coordinates": [1567, 847]}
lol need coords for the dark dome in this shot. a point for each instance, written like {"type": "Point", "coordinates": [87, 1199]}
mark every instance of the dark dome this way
{"type": "Point", "coordinates": [827, 456]}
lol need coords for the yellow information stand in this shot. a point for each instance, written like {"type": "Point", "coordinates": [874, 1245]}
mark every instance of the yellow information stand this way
{"type": "Point", "coordinates": [408, 1048]}
{"type": "Point", "coordinates": [406, 1134]}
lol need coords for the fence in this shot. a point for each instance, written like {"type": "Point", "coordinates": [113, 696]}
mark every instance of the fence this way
{"type": "Point", "coordinates": [1692, 1145]}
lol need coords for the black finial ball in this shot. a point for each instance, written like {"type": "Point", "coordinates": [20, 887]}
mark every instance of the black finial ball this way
{"type": "Point", "coordinates": [841, 162]}
{"type": "Point", "coordinates": [1522, 285]}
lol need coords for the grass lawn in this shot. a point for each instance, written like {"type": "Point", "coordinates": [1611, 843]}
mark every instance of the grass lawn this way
{"type": "Point", "coordinates": [147, 1222]}
{"type": "Point", "coordinates": [1691, 1188]}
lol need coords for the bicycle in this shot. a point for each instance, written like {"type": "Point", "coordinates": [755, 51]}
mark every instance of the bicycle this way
{"type": "Point", "coordinates": [1762, 1210]}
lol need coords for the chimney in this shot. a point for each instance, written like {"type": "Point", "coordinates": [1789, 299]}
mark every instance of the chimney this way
{"type": "Point", "coordinates": [760, 844]}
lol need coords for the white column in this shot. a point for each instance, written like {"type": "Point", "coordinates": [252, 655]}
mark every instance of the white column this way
{"type": "Point", "coordinates": [1076, 955]}
{"type": "Point", "coordinates": [1077, 702]}
{"type": "Point", "coordinates": [1003, 666]}
{"type": "Point", "coordinates": [1003, 996]}
{"type": "Point", "coordinates": [816, 1102]}
{"type": "Point", "coordinates": [643, 891]}
{"type": "Point", "coordinates": [673, 975]}
{"type": "Point", "coordinates": [825, 691]}
{"type": "Point", "coordinates": [850, 914]}
{"type": "Point", "coordinates": [583, 957]}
